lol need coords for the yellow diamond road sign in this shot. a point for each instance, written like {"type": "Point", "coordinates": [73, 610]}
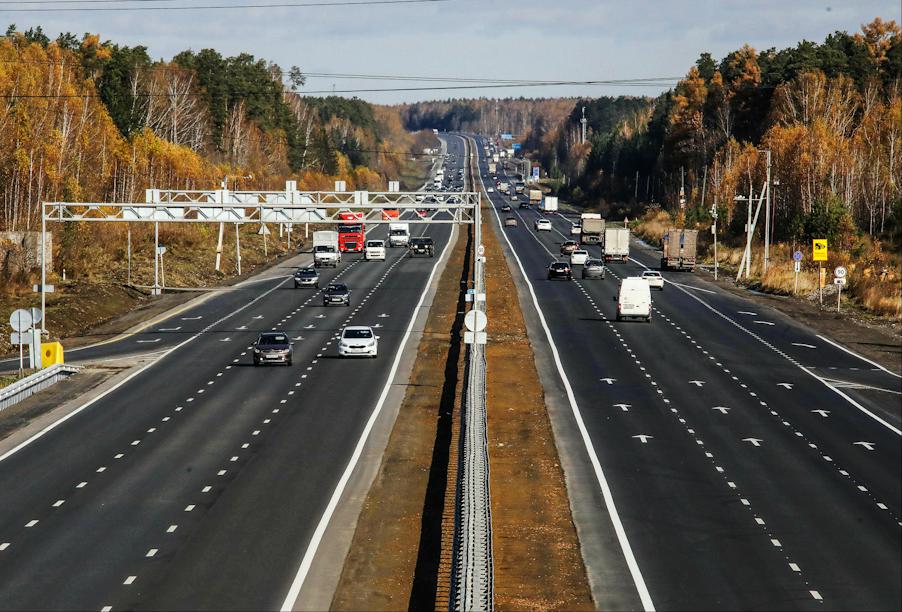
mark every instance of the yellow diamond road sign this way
{"type": "Point", "coordinates": [819, 249]}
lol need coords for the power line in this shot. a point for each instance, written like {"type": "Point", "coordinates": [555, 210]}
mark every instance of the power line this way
{"type": "Point", "coordinates": [217, 6]}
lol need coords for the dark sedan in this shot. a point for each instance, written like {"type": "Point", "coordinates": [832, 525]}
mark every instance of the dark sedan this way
{"type": "Point", "coordinates": [560, 269]}
{"type": "Point", "coordinates": [337, 293]}
{"type": "Point", "coordinates": [272, 347]}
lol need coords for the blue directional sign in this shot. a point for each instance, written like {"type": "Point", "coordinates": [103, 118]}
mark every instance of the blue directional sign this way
{"type": "Point", "coordinates": [797, 256]}
{"type": "Point", "coordinates": [535, 172]}
{"type": "Point", "coordinates": [507, 137]}
{"type": "Point", "coordinates": [516, 146]}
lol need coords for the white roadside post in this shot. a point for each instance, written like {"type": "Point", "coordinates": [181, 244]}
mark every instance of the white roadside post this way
{"type": "Point", "coordinates": [839, 280]}
{"type": "Point", "coordinates": [714, 231]}
{"type": "Point", "coordinates": [797, 267]}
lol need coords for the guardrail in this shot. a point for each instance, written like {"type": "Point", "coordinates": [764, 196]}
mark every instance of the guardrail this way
{"type": "Point", "coordinates": [28, 386]}
{"type": "Point", "coordinates": [472, 585]}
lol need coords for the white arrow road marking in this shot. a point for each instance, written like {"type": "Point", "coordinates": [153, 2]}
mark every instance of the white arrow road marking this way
{"type": "Point", "coordinates": [610, 381]}
{"type": "Point", "coordinates": [148, 341]}
{"type": "Point", "coordinates": [644, 438]}
{"type": "Point", "coordinates": [224, 339]}
{"type": "Point", "coordinates": [804, 345]}
{"type": "Point", "coordinates": [746, 312]}
{"type": "Point", "coordinates": [320, 316]}
{"type": "Point", "coordinates": [723, 409]}
{"type": "Point", "coordinates": [377, 325]}
{"type": "Point", "coordinates": [868, 445]}
{"type": "Point", "coordinates": [167, 329]}
{"type": "Point", "coordinates": [754, 441]}
{"type": "Point", "coordinates": [192, 318]}
{"type": "Point", "coordinates": [383, 315]}
{"type": "Point", "coordinates": [259, 317]}
{"type": "Point", "coordinates": [697, 383]}
{"type": "Point", "coordinates": [624, 407]}
{"type": "Point", "coordinates": [785, 385]}
{"type": "Point", "coordinates": [309, 326]}
{"type": "Point", "coordinates": [243, 327]}
{"type": "Point", "coordinates": [823, 413]}
{"type": "Point", "coordinates": [763, 322]}
{"type": "Point", "coordinates": [298, 338]}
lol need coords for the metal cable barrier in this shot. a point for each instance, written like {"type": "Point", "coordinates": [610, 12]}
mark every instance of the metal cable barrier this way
{"type": "Point", "coordinates": [472, 571]}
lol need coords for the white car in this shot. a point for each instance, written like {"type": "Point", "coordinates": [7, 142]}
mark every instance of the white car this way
{"type": "Point", "coordinates": [579, 257]}
{"type": "Point", "coordinates": [490, 189]}
{"type": "Point", "coordinates": [576, 229]}
{"type": "Point", "coordinates": [654, 279]}
{"type": "Point", "coordinates": [358, 341]}
{"type": "Point", "coordinates": [375, 249]}
{"type": "Point", "coordinates": [543, 225]}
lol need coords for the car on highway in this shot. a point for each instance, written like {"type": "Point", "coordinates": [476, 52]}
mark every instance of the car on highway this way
{"type": "Point", "coordinates": [306, 277]}
{"type": "Point", "coordinates": [272, 347]}
{"type": "Point", "coordinates": [634, 299]}
{"type": "Point", "coordinates": [569, 246]}
{"type": "Point", "coordinates": [654, 279]}
{"type": "Point", "coordinates": [593, 268]}
{"type": "Point", "coordinates": [510, 221]}
{"type": "Point", "coordinates": [490, 189]}
{"type": "Point", "coordinates": [375, 249]}
{"type": "Point", "coordinates": [358, 341]}
{"type": "Point", "coordinates": [542, 225]}
{"type": "Point", "coordinates": [421, 246]}
{"type": "Point", "coordinates": [337, 293]}
{"type": "Point", "coordinates": [506, 208]}
{"type": "Point", "coordinates": [579, 257]}
{"type": "Point", "coordinates": [576, 229]}
{"type": "Point", "coordinates": [560, 269]}
{"type": "Point", "coordinates": [514, 198]}
{"type": "Point", "coordinates": [524, 204]}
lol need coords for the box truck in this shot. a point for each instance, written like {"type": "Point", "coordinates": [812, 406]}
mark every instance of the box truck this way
{"type": "Point", "coordinates": [616, 244]}
{"type": "Point", "coordinates": [548, 204]}
{"type": "Point", "coordinates": [592, 228]}
{"type": "Point", "coordinates": [679, 249]}
{"type": "Point", "coordinates": [325, 249]}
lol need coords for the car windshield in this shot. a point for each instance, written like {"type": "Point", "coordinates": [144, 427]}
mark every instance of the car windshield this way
{"type": "Point", "coordinates": [348, 229]}
{"type": "Point", "coordinates": [358, 333]}
{"type": "Point", "coordinates": [374, 243]}
{"type": "Point", "coordinates": [559, 266]}
{"type": "Point", "coordinates": [306, 272]}
{"type": "Point", "coordinates": [273, 339]}
{"type": "Point", "coordinates": [398, 232]}
{"type": "Point", "coordinates": [337, 288]}
{"type": "Point", "coordinates": [593, 262]}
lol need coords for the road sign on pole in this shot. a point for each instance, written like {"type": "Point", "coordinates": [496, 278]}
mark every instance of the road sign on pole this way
{"type": "Point", "coordinates": [21, 320]}
{"type": "Point", "coordinates": [839, 272]}
{"type": "Point", "coordinates": [819, 249]}
{"type": "Point", "coordinates": [797, 256]}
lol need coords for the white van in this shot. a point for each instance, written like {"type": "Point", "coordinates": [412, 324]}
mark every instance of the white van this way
{"type": "Point", "coordinates": [375, 249]}
{"type": "Point", "coordinates": [398, 234]}
{"type": "Point", "coordinates": [634, 299]}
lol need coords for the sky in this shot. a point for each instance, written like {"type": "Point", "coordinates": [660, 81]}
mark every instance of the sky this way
{"type": "Point", "coordinates": [493, 39]}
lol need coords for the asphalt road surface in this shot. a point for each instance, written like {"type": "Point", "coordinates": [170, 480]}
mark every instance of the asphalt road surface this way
{"type": "Point", "coordinates": [737, 460]}
{"type": "Point", "coordinates": [199, 482]}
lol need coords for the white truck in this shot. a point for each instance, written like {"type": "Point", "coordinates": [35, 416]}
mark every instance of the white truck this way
{"type": "Point", "coordinates": [592, 228]}
{"type": "Point", "coordinates": [398, 234]}
{"type": "Point", "coordinates": [548, 204]}
{"type": "Point", "coordinates": [325, 249]}
{"type": "Point", "coordinates": [535, 196]}
{"type": "Point", "coordinates": [616, 244]}
{"type": "Point", "coordinates": [504, 188]}
{"type": "Point", "coordinates": [493, 167]}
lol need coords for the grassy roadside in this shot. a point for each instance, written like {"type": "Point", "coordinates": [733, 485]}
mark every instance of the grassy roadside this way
{"type": "Point", "coordinates": [538, 565]}
{"type": "Point", "coordinates": [400, 552]}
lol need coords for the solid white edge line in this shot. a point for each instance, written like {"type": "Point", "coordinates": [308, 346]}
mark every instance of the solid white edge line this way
{"type": "Point", "coordinates": [633, 566]}
{"type": "Point", "coordinates": [854, 354]}
{"type": "Point", "coordinates": [307, 561]}
{"type": "Point", "coordinates": [880, 420]}
{"type": "Point", "coordinates": [93, 400]}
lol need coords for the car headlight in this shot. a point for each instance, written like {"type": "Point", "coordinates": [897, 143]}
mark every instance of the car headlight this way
{"type": "Point", "coordinates": [256, 351]}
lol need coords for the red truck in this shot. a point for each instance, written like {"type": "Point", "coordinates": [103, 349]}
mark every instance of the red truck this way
{"type": "Point", "coordinates": [351, 236]}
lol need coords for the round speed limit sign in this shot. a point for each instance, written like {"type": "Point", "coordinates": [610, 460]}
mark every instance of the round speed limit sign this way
{"type": "Point", "coordinates": [840, 272]}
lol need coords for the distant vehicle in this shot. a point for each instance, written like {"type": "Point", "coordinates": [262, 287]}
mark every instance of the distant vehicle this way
{"type": "Point", "coordinates": [654, 279]}
{"type": "Point", "coordinates": [390, 213]}
{"type": "Point", "coordinates": [325, 249]}
{"type": "Point", "coordinates": [490, 190]}
{"type": "Point", "coordinates": [514, 198]}
{"type": "Point", "coordinates": [492, 167]}
{"type": "Point", "coordinates": [593, 268]}
{"type": "Point", "coordinates": [579, 257]}
{"type": "Point", "coordinates": [548, 204]}
{"type": "Point", "coordinates": [679, 249]}
{"type": "Point", "coordinates": [358, 340]}
{"type": "Point", "coordinates": [575, 229]}
{"type": "Point", "coordinates": [591, 228]}
{"type": "Point", "coordinates": [337, 293]}
{"type": "Point", "coordinates": [535, 196]}
{"type": "Point", "coordinates": [504, 188]}
{"type": "Point", "coordinates": [398, 234]}
{"type": "Point", "coordinates": [616, 244]}
{"type": "Point", "coordinates": [352, 233]}
{"type": "Point", "coordinates": [542, 225]}
{"type": "Point", "coordinates": [523, 204]}
{"type": "Point", "coordinates": [634, 299]}
{"type": "Point", "coordinates": [506, 208]}
{"type": "Point", "coordinates": [306, 277]}
{"type": "Point", "coordinates": [520, 187]}
{"type": "Point", "coordinates": [272, 347]}
{"type": "Point", "coordinates": [375, 250]}
{"type": "Point", "coordinates": [568, 247]}
{"type": "Point", "coordinates": [510, 221]}
{"type": "Point", "coordinates": [421, 246]}
{"type": "Point", "coordinates": [560, 269]}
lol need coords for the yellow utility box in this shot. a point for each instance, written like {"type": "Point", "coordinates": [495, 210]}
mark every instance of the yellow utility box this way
{"type": "Point", "coordinates": [51, 354]}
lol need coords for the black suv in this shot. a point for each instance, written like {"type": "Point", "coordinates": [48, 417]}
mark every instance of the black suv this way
{"type": "Point", "coordinates": [560, 269]}
{"type": "Point", "coordinates": [421, 246]}
{"type": "Point", "coordinates": [337, 293]}
{"type": "Point", "coordinates": [272, 347]}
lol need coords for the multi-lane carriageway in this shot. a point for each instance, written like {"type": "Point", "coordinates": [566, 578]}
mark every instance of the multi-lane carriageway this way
{"type": "Point", "coordinates": [203, 482]}
{"type": "Point", "coordinates": [722, 456]}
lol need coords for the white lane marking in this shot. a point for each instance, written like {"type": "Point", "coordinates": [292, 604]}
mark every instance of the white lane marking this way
{"type": "Point", "coordinates": [816, 595]}
{"type": "Point", "coordinates": [169, 329]}
{"type": "Point", "coordinates": [32, 523]}
{"type": "Point", "coordinates": [106, 609]}
{"type": "Point", "coordinates": [746, 312]}
{"type": "Point", "coordinates": [171, 528]}
{"type": "Point", "coordinates": [804, 345]}
{"type": "Point", "coordinates": [868, 445]}
{"type": "Point", "coordinates": [226, 339]}
{"type": "Point", "coordinates": [697, 383]}
{"type": "Point", "coordinates": [823, 413]}
{"type": "Point", "coordinates": [81, 485]}
{"type": "Point", "coordinates": [101, 469]}
{"type": "Point", "coordinates": [854, 354]}
{"type": "Point", "coordinates": [197, 318]}
{"type": "Point", "coordinates": [670, 282]}
{"type": "Point", "coordinates": [4, 545]}
{"type": "Point", "coordinates": [130, 580]}
{"type": "Point", "coordinates": [206, 489]}
{"type": "Point", "coordinates": [722, 409]}
{"type": "Point", "coordinates": [644, 438]}
{"type": "Point", "coordinates": [151, 552]}
{"type": "Point", "coordinates": [189, 507]}
{"type": "Point", "coordinates": [383, 315]}
{"type": "Point", "coordinates": [785, 385]}
{"type": "Point", "coordinates": [610, 381]}
{"type": "Point", "coordinates": [147, 341]}
{"type": "Point", "coordinates": [795, 567]}
{"type": "Point", "coordinates": [138, 372]}
{"type": "Point", "coordinates": [763, 322]}
{"type": "Point", "coordinates": [59, 503]}
{"type": "Point", "coordinates": [635, 571]}
{"type": "Point", "coordinates": [624, 407]}
{"type": "Point", "coordinates": [754, 441]}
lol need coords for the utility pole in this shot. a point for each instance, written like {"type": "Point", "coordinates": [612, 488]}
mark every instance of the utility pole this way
{"type": "Point", "coordinates": [238, 247]}
{"type": "Point", "coordinates": [129, 250]}
{"type": "Point", "coordinates": [714, 231]}
{"type": "Point", "coordinates": [636, 188]}
{"type": "Point", "coordinates": [748, 235]}
{"type": "Point", "coordinates": [156, 258]}
{"type": "Point", "coordinates": [767, 216]}
{"type": "Point", "coordinates": [583, 123]}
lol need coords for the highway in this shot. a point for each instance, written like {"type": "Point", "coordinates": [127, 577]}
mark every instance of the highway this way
{"type": "Point", "coordinates": [201, 482]}
{"type": "Point", "coordinates": [722, 456]}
